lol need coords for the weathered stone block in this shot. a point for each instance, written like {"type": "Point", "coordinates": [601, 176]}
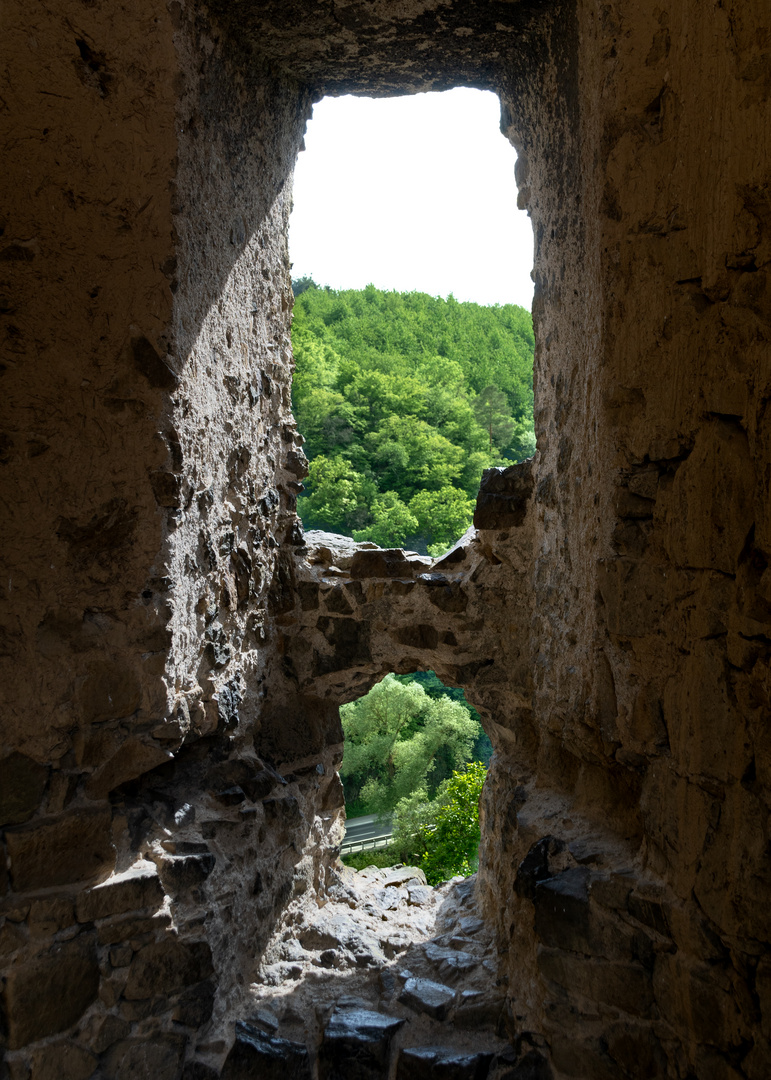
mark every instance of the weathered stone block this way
{"type": "Point", "coordinates": [4, 884]}
{"type": "Point", "coordinates": [457, 554]}
{"type": "Point", "coordinates": [70, 847]}
{"type": "Point", "coordinates": [627, 987]}
{"type": "Point", "coordinates": [636, 1050]}
{"type": "Point", "coordinates": [503, 497]}
{"type": "Point", "coordinates": [121, 929]}
{"type": "Point", "coordinates": [432, 998]}
{"type": "Point", "coordinates": [535, 866]}
{"type": "Point", "coordinates": [108, 1031]}
{"type": "Point", "coordinates": [256, 1053]}
{"type": "Point", "coordinates": [612, 891]}
{"type": "Point", "coordinates": [261, 784]}
{"type": "Point", "coordinates": [308, 591]}
{"type": "Point", "coordinates": [475, 1010]}
{"type": "Point", "coordinates": [231, 796]}
{"type": "Point", "coordinates": [180, 872]}
{"type": "Point", "coordinates": [583, 1060]}
{"type": "Point", "coordinates": [198, 1070]}
{"type": "Point", "coordinates": [532, 1066]}
{"type": "Point", "coordinates": [111, 690]}
{"type": "Point", "coordinates": [336, 600]}
{"type": "Point", "coordinates": [562, 910]}
{"type": "Point", "coordinates": [296, 463]}
{"type": "Point", "coordinates": [763, 989]}
{"type": "Point", "coordinates": [356, 1044]}
{"type": "Point", "coordinates": [635, 594]}
{"type": "Point", "coordinates": [12, 938]}
{"type": "Point", "coordinates": [439, 1063]}
{"type": "Point", "coordinates": [195, 1004]}
{"type": "Point", "coordinates": [166, 487]}
{"type": "Point", "coordinates": [304, 720]}
{"type": "Point", "coordinates": [166, 966]}
{"type": "Point", "coordinates": [651, 912]}
{"type": "Point", "coordinates": [420, 636]}
{"type": "Point", "coordinates": [448, 596]}
{"type": "Point", "coordinates": [283, 812]}
{"type": "Point", "coordinates": [48, 915]}
{"type": "Point", "coordinates": [713, 496]}
{"type": "Point", "coordinates": [133, 759]}
{"type": "Point", "coordinates": [62, 1061]}
{"type": "Point", "coordinates": [22, 783]}
{"type": "Point", "coordinates": [334, 795]}
{"type": "Point", "coordinates": [141, 1059]}
{"type": "Point", "coordinates": [699, 999]}
{"type": "Point", "coordinates": [564, 919]}
{"type": "Point", "coordinates": [137, 887]}
{"type": "Point", "coordinates": [380, 563]}
{"type": "Point", "coordinates": [350, 640]}
{"type": "Point", "coordinates": [121, 956]}
{"type": "Point", "coordinates": [50, 994]}
{"type": "Point", "coordinates": [403, 874]}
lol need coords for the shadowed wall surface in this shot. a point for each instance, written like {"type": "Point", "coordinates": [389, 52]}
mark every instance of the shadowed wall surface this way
{"type": "Point", "coordinates": [174, 652]}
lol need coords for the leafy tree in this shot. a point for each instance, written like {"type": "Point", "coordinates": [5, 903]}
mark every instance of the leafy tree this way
{"type": "Point", "coordinates": [299, 285]}
{"type": "Point", "coordinates": [393, 522]}
{"type": "Point", "coordinates": [408, 455]}
{"type": "Point", "coordinates": [442, 835]}
{"type": "Point", "coordinates": [435, 688]}
{"type": "Point", "coordinates": [339, 494]}
{"type": "Point", "coordinates": [492, 411]}
{"type": "Point", "coordinates": [443, 515]}
{"type": "Point", "coordinates": [399, 740]}
{"type": "Point", "coordinates": [522, 441]}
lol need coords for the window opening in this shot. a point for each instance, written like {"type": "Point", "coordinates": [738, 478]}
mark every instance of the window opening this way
{"type": "Point", "coordinates": [412, 336]}
{"type": "Point", "coordinates": [414, 762]}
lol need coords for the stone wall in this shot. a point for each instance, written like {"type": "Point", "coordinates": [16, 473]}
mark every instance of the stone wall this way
{"type": "Point", "coordinates": [173, 655]}
{"type": "Point", "coordinates": [650, 642]}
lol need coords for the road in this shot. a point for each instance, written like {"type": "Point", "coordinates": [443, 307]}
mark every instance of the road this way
{"type": "Point", "coordinates": [364, 828]}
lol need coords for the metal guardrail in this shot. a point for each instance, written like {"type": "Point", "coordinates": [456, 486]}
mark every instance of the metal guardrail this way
{"type": "Point", "coordinates": [369, 844]}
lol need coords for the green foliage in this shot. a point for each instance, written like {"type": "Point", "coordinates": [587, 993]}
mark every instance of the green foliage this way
{"type": "Point", "coordinates": [442, 835]}
{"type": "Point", "coordinates": [387, 387]}
{"type": "Point", "coordinates": [435, 688]}
{"type": "Point", "coordinates": [444, 515]}
{"type": "Point", "coordinates": [340, 495]}
{"type": "Point", "coordinates": [491, 409]}
{"type": "Point", "coordinates": [399, 740]}
{"type": "Point", "coordinates": [383, 857]}
{"type": "Point", "coordinates": [392, 522]}
{"type": "Point", "coordinates": [522, 441]}
{"type": "Point", "coordinates": [299, 285]}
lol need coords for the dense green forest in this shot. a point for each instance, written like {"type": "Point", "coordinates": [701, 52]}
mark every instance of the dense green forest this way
{"type": "Point", "coordinates": [403, 400]}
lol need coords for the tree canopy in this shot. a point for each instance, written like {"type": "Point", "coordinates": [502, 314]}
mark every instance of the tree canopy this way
{"type": "Point", "coordinates": [441, 835]}
{"type": "Point", "coordinates": [398, 740]}
{"type": "Point", "coordinates": [403, 400]}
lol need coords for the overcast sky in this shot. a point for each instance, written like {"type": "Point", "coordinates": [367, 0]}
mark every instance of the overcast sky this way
{"type": "Point", "coordinates": [412, 193]}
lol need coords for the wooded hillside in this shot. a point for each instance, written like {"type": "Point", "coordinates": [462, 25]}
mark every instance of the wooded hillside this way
{"type": "Point", "coordinates": [403, 400]}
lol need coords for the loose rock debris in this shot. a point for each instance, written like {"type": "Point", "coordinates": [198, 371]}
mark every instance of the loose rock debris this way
{"type": "Point", "coordinates": [383, 977]}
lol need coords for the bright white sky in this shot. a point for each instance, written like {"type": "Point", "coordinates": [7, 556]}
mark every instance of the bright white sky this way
{"type": "Point", "coordinates": [412, 193]}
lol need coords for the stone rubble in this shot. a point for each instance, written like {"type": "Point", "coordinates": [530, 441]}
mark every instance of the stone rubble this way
{"type": "Point", "coordinates": [385, 974]}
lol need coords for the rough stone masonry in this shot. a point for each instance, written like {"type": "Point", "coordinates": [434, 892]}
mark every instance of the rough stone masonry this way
{"type": "Point", "coordinates": [174, 652]}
